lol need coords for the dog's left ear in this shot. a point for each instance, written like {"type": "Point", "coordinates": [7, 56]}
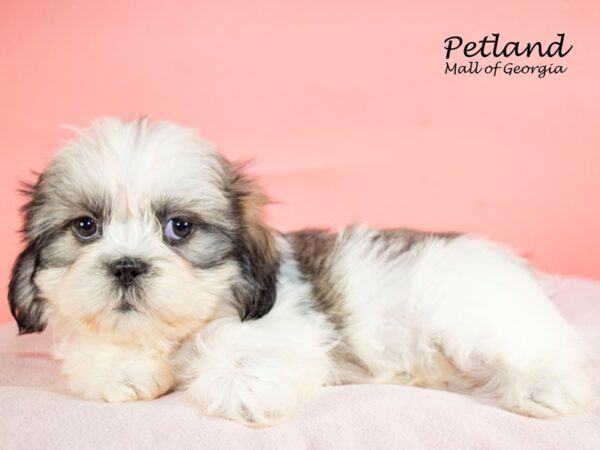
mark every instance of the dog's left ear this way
{"type": "Point", "coordinates": [255, 247]}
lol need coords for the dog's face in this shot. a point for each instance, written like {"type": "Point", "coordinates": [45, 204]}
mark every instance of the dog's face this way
{"type": "Point", "coordinates": [139, 226]}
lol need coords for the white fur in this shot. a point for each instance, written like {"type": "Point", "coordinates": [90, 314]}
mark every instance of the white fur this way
{"type": "Point", "coordinates": [466, 315]}
{"type": "Point", "coordinates": [462, 313]}
{"type": "Point", "coordinates": [475, 307]}
{"type": "Point", "coordinates": [258, 372]}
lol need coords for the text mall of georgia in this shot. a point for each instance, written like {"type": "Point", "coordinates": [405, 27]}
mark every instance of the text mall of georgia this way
{"type": "Point", "coordinates": [491, 47]}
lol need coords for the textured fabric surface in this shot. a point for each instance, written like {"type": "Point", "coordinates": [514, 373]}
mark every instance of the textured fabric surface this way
{"type": "Point", "coordinates": [36, 411]}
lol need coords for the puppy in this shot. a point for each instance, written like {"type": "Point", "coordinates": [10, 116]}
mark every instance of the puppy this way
{"type": "Point", "coordinates": [148, 252]}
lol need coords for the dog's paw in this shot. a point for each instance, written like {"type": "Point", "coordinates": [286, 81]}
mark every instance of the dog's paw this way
{"type": "Point", "coordinates": [121, 391]}
{"type": "Point", "coordinates": [549, 397]}
{"type": "Point", "coordinates": [124, 389]}
{"type": "Point", "coordinates": [250, 391]}
{"type": "Point", "coordinates": [133, 379]}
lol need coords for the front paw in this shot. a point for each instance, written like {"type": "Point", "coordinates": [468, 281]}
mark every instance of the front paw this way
{"type": "Point", "coordinates": [120, 391]}
{"type": "Point", "coordinates": [133, 379]}
{"type": "Point", "coordinates": [247, 391]}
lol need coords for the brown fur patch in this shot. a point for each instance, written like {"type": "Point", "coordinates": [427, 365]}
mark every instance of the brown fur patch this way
{"type": "Point", "coordinates": [397, 241]}
{"type": "Point", "coordinates": [314, 250]}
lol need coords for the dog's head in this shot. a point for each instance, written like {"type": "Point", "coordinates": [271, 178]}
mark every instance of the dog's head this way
{"type": "Point", "coordinates": [139, 225]}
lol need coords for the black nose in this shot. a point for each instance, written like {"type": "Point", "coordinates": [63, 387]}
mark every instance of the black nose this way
{"type": "Point", "coordinates": [128, 269]}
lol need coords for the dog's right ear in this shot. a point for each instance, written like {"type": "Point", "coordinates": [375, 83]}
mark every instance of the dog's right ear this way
{"type": "Point", "coordinates": [26, 306]}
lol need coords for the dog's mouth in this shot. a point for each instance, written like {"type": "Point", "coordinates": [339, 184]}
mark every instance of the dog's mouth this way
{"type": "Point", "coordinates": [129, 299]}
{"type": "Point", "coordinates": [126, 305]}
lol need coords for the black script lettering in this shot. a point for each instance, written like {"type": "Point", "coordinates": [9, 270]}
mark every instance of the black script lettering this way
{"type": "Point", "coordinates": [449, 48]}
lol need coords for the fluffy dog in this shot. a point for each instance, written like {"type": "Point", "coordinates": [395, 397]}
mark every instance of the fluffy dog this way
{"type": "Point", "coordinates": [148, 252]}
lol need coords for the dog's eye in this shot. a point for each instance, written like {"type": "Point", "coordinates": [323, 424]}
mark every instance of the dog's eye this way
{"type": "Point", "coordinates": [178, 228]}
{"type": "Point", "coordinates": [85, 228]}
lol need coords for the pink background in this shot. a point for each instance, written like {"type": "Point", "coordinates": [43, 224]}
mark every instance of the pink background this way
{"type": "Point", "coordinates": [345, 108]}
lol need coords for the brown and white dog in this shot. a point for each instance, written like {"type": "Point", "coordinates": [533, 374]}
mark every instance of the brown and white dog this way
{"type": "Point", "coordinates": [147, 251]}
